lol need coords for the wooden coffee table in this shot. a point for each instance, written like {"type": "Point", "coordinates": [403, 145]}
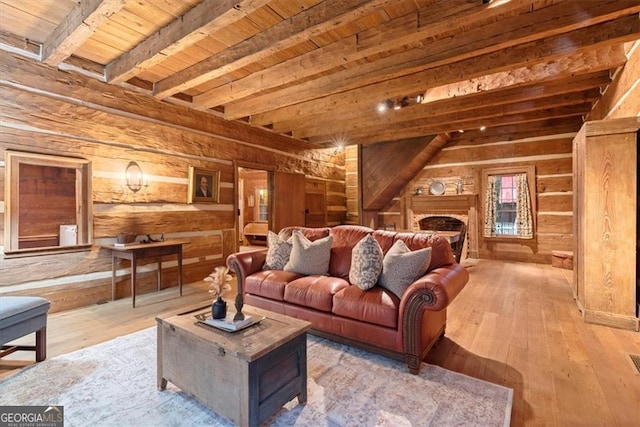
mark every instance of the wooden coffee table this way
{"type": "Point", "coordinates": [245, 376]}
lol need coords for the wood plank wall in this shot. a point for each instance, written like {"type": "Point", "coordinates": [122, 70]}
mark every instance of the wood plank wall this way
{"type": "Point", "coordinates": [352, 182]}
{"type": "Point", "coordinates": [547, 148]}
{"type": "Point", "coordinates": [49, 111]}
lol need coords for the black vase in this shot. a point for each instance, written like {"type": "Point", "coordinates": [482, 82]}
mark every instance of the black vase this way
{"type": "Point", "coordinates": [219, 309]}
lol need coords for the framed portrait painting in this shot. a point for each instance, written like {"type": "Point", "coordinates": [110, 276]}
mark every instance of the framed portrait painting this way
{"type": "Point", "coordinates": [204, 185]}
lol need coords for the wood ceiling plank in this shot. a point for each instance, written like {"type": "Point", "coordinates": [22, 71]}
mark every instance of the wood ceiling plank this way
{"type": "Point", "coordinates": [606, 34]}
{"type": "Point", "coordinates": [367, 137]}
{"type": "Point", "coordinates": [444, 109]}
{"type": "Point", "coordinates": [458, 118]}
{"type": "Point", "coordinates": [27, 24]}
{"type": "Point", "coordinates": [568, 69]}
{"type": "Point", "coordinates": [306, 24]}
{"type": "Point", "coordinates": [80, 24]}
{"type": "Point", "coordinates": [96, 51]}
{"type": "Point", "coordinates": [149, 12]}
{"type": "Point", "coordinates": [192, 27]}
{"type": "Point", "coordinates": [394, 34]}
{"type": "Point", "coordinates": [518, 131]}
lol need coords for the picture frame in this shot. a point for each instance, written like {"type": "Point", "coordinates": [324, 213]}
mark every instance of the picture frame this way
{"type": "Point", "coordinates": [204, 185]}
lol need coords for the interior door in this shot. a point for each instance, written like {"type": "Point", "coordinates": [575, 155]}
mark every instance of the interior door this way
{"type": "Point", "coordinates": [288, 200]}
{"type": "Point", "coordinates": [315, 203]}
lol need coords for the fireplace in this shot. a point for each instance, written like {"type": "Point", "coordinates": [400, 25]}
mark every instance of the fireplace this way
{"type": "Point", "coordinates": [462, 207]}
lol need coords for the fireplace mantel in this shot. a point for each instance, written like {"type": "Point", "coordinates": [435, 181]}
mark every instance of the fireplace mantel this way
{"type": "Point", "coordinates": [445, 204]}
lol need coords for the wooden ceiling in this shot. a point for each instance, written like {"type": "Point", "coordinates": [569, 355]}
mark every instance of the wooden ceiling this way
{"type": "Point", "coordinates": [317, 70]}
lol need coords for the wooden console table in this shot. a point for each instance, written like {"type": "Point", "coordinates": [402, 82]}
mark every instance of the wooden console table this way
{"type": "Point", "coordinates": [136, 251]}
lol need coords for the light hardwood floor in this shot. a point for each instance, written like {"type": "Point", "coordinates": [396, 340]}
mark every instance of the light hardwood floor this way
{"type": "Point", "coordinates": [514, 324]}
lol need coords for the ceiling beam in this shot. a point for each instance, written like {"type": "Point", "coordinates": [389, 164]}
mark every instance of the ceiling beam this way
{"type": "Point", "coordinates": [535, 95]}
{"type": "Point", "coordinates": [323, 17]}
{"type": "Point", "coordinates": [455, 120]}
{"type": "Point", "coordinates": [402, 31]}
{"type": "Point", "coordinates": [517, 131]}
{"type": "Point", "coordinates": [190, 28]}
{"type": "Point", "coordinates": [548, 78]}
{"type": "Point", "coordinates": [81, 23]}
{"type": "Point", "coordinates": [606, 34]}
{"type": "Point", "coordinates": [433, 52]}
{"type": "Point", "coordinates": [466, 121]}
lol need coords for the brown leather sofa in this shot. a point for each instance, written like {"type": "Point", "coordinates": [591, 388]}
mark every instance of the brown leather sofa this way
{"type": "Point", "coordinates": [403, 328]}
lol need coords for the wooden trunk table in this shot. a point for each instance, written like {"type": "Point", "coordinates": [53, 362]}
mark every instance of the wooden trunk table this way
{"type": "Point", "coordinates": [245, 376]}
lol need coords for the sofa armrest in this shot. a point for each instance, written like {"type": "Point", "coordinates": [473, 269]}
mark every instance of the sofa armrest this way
{"type": "Point", "coordinates": [246, 263]}
{"type": "Point", "coordinates": [435, 290]}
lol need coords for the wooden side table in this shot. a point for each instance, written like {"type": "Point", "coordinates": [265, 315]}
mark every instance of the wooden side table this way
{"type": "Point", "coordinates": [137, 251]}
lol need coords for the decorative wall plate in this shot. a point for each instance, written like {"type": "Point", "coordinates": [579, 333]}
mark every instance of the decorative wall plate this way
{"type": "Point", "coordinates": [436, 188]}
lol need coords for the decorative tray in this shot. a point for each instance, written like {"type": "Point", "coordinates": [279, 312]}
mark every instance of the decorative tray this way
{"type": "Point", "coordinates": [228, 323]}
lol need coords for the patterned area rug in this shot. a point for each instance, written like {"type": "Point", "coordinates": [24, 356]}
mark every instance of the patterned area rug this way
{"type": "Point", "coordinates": [114, 384]}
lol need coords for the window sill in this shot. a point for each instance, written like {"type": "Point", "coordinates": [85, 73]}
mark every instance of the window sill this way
{"type": "Point", "coordinates": [49, 250]}
{"type": "Point", "coordinates": [508, 239]}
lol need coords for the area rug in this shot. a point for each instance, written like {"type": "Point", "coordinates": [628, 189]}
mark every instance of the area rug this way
{"type": "Point", "coordinates": [114, 384]}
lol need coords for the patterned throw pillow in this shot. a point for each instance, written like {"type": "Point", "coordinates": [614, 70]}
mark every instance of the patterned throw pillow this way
{"type": "Point", "coordinates": [307, 257]}
{"type": "Point", "coordinates": [401, 267]}
{"type": "Point", "coordinates": [366, 263]}
{"type": "Point", "coordinates": [278, 252]}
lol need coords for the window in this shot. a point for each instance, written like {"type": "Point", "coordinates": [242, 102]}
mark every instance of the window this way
{"type": "Point", "coordinates": [47, 203]}
{"type": "Point", "coordinates": [509, 210]}
{"type": "Point", "coordinates": [263, 204]}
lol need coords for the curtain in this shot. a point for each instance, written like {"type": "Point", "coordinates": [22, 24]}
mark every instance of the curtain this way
{"type": "Point", "coordinates": [524, 219]}
{"type": "Point", "coordinates": [491, 198]}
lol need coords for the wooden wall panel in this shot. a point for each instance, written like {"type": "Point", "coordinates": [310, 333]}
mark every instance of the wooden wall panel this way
{"type": "Point", "coordinates": [49, 111]}
{"type": "Point", "coordinates": [464, 159]}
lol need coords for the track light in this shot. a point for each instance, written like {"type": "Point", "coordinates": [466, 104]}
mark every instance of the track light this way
{"type": "Point", "coordinates": [399, 103]}
{"type": "Point", "coordinates": [385, 105]}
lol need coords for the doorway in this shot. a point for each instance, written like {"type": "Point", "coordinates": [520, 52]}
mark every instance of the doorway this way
{"type": "Point", "coordinates": [254, 206]}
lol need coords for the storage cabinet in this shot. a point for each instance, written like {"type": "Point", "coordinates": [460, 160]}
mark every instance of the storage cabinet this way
{"type": "Point", "coordinates": [605, 221]}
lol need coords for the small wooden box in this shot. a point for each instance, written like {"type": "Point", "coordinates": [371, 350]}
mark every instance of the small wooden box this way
{"type": "Point", "coordinates": [562, 259]}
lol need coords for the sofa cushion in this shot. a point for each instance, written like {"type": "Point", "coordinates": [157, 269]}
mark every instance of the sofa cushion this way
{"type": "Point", "coordinates": [345, 237]}
{"type": "Point", "coordinates": [278, 252]}
{"type": "Point", "coordinates": [377, 305]}
{"type": "Point", "coordinates": [269, 284]}
{"type": "Point", "coordinates": [401, 267]}
{"type": "Point", "coordinates": [441, 253]}
{"type": "Point", "coordinates": [314, 291]}
{"type": "Point", "coordinates": [307, 257]}
{"type": "Point", "coordinates": [366, 263]}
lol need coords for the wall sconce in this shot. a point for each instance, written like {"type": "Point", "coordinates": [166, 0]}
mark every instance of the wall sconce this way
{"type": "Point", "coordinates": [134, 177]}
{"type": "Point", "coordinates": [418, 191]}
